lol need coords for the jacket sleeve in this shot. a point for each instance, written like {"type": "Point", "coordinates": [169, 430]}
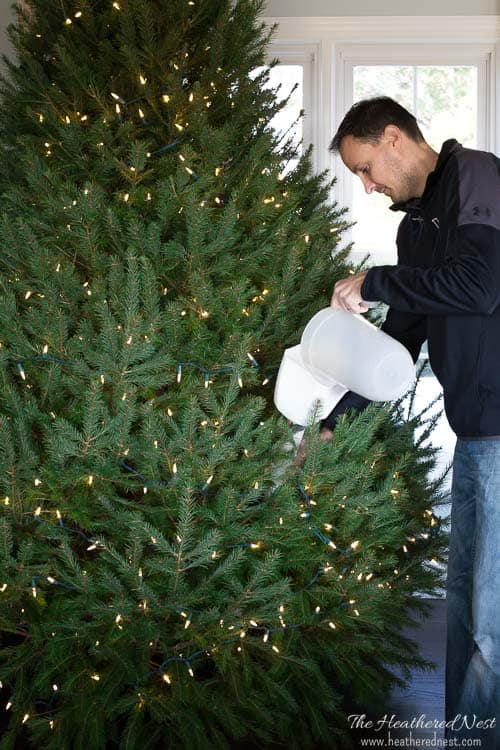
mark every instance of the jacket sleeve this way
{"type": "Point", "coordinates": [468, 282]}
{"type": "Point", "coordinates": [350, 401]}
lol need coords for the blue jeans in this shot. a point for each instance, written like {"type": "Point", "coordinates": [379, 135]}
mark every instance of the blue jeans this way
{"type": "Point", "coordinates": [473, 595]}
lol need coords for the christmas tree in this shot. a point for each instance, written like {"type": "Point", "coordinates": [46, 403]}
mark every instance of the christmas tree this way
{"type": "Point", "coordinates": [168, 578]}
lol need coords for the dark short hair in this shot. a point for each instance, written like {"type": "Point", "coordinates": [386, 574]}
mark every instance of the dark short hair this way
{"type": "Point", "coordinates": [368, 119]}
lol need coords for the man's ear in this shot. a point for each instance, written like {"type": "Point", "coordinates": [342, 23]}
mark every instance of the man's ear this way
{"type": "Point", "coordinates": [393, 135]}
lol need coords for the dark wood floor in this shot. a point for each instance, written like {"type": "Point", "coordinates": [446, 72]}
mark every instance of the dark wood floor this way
{"type": "Point", "coordinates": [425, 694]}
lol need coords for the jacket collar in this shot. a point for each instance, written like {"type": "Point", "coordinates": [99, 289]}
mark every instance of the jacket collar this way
{"type": "Point", "coordinates": [413, 205]}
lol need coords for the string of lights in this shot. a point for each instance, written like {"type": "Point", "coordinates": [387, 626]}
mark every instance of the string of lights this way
{"type": "Point", "coordinates": [181, 366]}
{"type": "Point", "coordinates": [336, 556]}
{"type": "Point", "coordinates": [307, 506]}
{"type": "Point", "coordinates": [95, 543]}
{"type": "Point", "coordinates": [249, 632]}
{"type": "Point", "coordinates": [122, 104]}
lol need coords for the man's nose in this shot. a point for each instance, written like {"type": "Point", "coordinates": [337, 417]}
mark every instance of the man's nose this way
{"type": "Point", "coordinates": [368, 184]}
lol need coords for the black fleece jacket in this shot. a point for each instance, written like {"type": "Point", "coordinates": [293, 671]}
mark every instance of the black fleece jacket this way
{"type": "Point", "coordinates": [446, 288]}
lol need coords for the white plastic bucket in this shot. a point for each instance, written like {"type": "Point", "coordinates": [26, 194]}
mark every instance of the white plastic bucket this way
{"type": "Point", "coordinates": [343, 348]}
{"type": "Point", "coordinates": [298, 395]}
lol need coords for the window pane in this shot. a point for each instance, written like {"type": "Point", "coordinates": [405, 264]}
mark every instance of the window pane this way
{"type": "Point", "coordinates": [446, 105]}
{"type": "Point", "coordinates": [444, 100]}
{"type": "Point", "coordinates": [289, 80]}
{"type": "Point", "coordinates": [395, 81]}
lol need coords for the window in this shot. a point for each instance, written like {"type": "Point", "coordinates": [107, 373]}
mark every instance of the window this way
{"type": "Point", "coordinates": [442, 90]}
{"type": "Point", "coordinates": [444, 100]}
{"type": "Point", "coordinates": [295, 75]}
{"type": "Point", "coordinates": [446, 89]}
{"type": "Point", "coordinates": [446, 73]}
{"type": "Point", "coordinates": [288, 81]}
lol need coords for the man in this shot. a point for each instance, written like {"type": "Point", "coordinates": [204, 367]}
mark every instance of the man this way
{"type": "Point", "coordinates": [445, 288]}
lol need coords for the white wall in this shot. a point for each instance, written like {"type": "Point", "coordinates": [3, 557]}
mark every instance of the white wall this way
{"type": "Point", "coordinates": [274, 8]}
{"type": "Point", "coordinates": [278, 8]}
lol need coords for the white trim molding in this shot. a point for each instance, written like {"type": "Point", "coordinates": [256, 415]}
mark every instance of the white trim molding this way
{"type": "Point", "coordinates": [376, 29]}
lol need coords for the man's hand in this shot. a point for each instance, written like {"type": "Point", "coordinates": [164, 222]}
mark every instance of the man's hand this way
{"type": "Point", "coordinates": [347, 294]}
{"type": "Point", "coordinates": [325, 434]}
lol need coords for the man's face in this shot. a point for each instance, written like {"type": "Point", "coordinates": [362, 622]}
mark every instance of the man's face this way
{"type": "Point", "coordinates": [380, 167]}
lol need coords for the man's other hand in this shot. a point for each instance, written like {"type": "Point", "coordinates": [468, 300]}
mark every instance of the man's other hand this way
{"type": "Point", "coordinates": [325, 434]}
